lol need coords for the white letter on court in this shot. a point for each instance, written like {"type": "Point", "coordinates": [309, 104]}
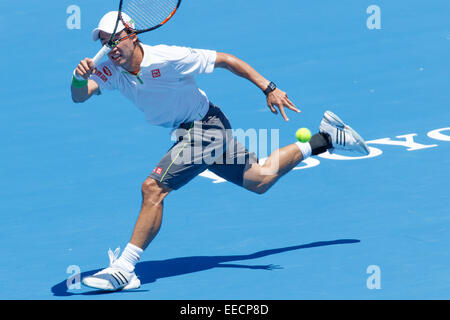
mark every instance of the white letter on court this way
{"type": "Point", "coordinates": [374, 21]}
{"type": "Point", "coordinates": [74, 20]}
{"type": "Point", "coordinates": [408, 143]}
{"type": "Point", "coordinates": [308, 163]}
{"type": "Point", "coordinates": [436, 134]}
{"type": "Point", "coordinates": [374, 152]}
{"type": "Point", "coordinates": [211, 175]}
{"type": "Point", "coordinates": [374, 281]}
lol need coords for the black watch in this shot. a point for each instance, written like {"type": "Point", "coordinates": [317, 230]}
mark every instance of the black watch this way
{"type": "Point", "coordinates": [272, 86]}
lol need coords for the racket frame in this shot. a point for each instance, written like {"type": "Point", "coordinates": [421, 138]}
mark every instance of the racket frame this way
{"type": "Point", "coordinates": [111, 44]}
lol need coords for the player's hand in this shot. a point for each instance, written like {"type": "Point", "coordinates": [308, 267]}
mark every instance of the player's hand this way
{"type": "Point", "coordinates": [279, 99]}
{"type": "Point", "coordinates": [85, 68]}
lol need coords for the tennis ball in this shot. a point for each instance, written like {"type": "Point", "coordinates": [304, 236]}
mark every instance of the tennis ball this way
{"type": "Point", "coordinates": [303, 135]}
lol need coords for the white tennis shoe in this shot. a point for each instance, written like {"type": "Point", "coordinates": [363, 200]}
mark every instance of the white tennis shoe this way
{"type": "Point", "coordinates": [343, 137]}
{"type": "Point", "coordinates": [114, 277]}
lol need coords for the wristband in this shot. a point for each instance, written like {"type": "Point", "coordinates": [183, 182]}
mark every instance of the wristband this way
{"type": "Point", "coordinates": [77, 82]}
{"type": "Point", "coordinates": [271, 87]}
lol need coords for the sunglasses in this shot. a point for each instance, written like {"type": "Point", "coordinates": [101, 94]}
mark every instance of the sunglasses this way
{"type": "Point", "coordinates": [114, 43]}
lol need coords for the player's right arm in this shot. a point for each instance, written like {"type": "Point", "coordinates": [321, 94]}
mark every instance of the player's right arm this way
{"type": "Point", "coordinates": [84, 69]}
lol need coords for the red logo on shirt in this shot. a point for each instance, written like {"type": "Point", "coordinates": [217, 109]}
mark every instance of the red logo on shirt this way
{"type": "Point", "coordinates": [101, 76]}
{"type": "Point", "coordinates": [156, 73]}
{"type": "Point", "coordinates": [158, 170]}
{"type": "Point", "coordinates": [107, 71]}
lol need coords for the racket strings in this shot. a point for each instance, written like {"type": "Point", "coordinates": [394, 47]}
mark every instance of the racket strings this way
{"type": "Point", "coordinates": [147, 14]}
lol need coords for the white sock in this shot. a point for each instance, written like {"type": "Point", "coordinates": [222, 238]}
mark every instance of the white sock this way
{"type": "Point", "coordinates": [305, 149]}
{"type": "Point", "coordinates": [129, 257]}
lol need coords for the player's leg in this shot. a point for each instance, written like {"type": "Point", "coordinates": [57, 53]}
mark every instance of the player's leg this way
{"type": "Point", "coordinates": [120, 274]}
{"type": "Point", "coordinates": [182, 163]}
{"type": "Point", "coordinates": [150, 216]}
{"type": "Point", "coordinates": [333, 136]}
{"type": "Point", "coordinates": [259, 178]}
{"type": "Point", "coordinates": [241, 167]}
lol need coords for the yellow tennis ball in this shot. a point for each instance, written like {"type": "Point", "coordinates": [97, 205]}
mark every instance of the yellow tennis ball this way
{"type": "Point", "coordinates": [303, 135]}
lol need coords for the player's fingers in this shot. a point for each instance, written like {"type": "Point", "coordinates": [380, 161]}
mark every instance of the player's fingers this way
{"type": "Point", "coordinates": [283, 114]}
{"type": "Point", "coordinates": [83, 65]}
{"type": "Point", "coordinates": [80, 70]}
{"type": "Point", "coordinates": [291, 106]}
{"type": "Point", "coordinates": [272, 108]}
{"type": "Point", "coordinates": [90, 63]}
{"type": "Point", "coordinates": [83, 71]}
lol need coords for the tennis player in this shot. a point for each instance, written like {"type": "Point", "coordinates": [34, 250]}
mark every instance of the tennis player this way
{"type": "Point", "coordinates": [160, 81]}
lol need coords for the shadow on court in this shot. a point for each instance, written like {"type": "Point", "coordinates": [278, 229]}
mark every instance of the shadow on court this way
{"type": "Point", "coordinates": [150, 271]}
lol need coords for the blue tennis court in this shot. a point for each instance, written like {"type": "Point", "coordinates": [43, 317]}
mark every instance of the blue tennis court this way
{"type": "Point", "coordinates": [334, 228]}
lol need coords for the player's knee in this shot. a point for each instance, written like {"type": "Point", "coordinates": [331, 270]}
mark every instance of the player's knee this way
{"type": "Point", "coordinates": [257, 180]}
{"type": "Point", "coordinates": [260, 187]}
{"type": "Point", "coordinates": [152, 189]}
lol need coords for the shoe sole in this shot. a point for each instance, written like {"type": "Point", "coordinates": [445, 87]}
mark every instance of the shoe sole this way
{"type": "Point", "coordinates": [134, 284]}
{"type": "Point", "coordinates": [93, 283]}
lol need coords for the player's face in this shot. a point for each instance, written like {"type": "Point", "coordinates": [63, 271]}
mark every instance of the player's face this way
{"type": "Point", "coordinates": [122, 53]}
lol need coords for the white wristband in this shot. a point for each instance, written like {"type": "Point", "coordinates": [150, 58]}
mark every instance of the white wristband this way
{"type": "Point", "coordinates": [78, 77]}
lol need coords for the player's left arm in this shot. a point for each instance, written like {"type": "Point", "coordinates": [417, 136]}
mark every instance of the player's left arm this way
{"type": "Point", "coordinates": [276, 98]}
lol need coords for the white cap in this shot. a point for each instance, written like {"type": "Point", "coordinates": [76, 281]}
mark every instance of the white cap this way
{"type": "Point", "coordinates": [108, 22]}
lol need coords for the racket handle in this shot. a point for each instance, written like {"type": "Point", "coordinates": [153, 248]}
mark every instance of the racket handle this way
{"type": "Point", "coordinates": [103, 51]}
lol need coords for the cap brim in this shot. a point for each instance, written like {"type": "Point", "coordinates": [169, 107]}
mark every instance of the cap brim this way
{"type": "Point", "coordinates": [95, 34]}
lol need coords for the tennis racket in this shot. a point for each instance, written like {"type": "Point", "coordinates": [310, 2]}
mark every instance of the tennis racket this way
{"type": "Point", "coordinates": [146, 15]}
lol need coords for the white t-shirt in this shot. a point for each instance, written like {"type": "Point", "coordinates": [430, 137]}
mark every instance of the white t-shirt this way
{"type": "Point", "coordinates": [165, 88]}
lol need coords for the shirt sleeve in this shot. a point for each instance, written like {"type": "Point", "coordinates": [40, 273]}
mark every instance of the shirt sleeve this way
{"type": "Point", "coordinates": [194, 61]}
{"type": "Point", "coordinates": [106, 76]}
